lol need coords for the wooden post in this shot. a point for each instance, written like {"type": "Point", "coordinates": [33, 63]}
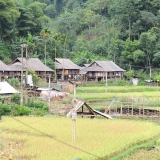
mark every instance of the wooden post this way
{"type": "Point", "coordinates": [74, 116]}
{"type": "Point", "coordinates": [26, 97]}
{"type": "Point", "coordinates": [74, 90]}
{"type": "Point", "coordinates": [21, 99]}
{"type": "Point", "coordinates": [132, 108]}
{"type": "Point", "coordinates": [139, 111]}
{"type": "Point", "coordinates": [106, 84]}
{"type": "Point", "coordinates": [49, 95]}
{"type": "Point", "coordinates": [121, 109]}
{"type": "Point", "coordinates": [143, 108]}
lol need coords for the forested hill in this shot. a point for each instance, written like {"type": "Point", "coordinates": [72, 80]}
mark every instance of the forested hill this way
{"type": "Point", "coordinates": [125, 31]}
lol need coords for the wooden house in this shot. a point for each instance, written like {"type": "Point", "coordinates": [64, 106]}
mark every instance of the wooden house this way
{"type": "Point", "coordinates": [99, 70]}
{"type": "Point", "coordinates": [34, 64]}
{"type": "Point", "coordinates": [14, 70]}
{"type": "Point", "coordinates": [66, 69]}
{"type": "Point", "coordinates": [5, 71]}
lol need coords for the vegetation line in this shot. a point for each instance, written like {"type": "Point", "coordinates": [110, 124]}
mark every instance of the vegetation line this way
{"type": "Point", "coordinates": [144, 145]}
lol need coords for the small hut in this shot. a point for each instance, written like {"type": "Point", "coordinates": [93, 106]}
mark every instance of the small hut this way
{"type": "Point", "coordinates": [79, 109]}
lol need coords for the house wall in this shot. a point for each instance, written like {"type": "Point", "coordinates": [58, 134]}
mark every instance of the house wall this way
{"type": "Point", "coordinates": [17, 74]}
{"type": "Point", "coordinates": [68, 74]}
{"type": "Point", "coordinates": [97, 76]}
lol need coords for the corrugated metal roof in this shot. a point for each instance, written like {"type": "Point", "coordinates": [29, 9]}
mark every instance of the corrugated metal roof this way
{"type": "Point", "coordinates": [6, 88]}
{"type": "Point", "coordinates": [63, 63]}
{"type": "Point", "coordinates": [80, 104]}
{"type": "Point", "coordinates": [33, 63]}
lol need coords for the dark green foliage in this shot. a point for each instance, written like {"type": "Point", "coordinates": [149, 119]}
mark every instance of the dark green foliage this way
{"type": "Point", "coordinates": [18, 110]}
{"type": "Point", "coordinates": [15, 98]}
{"type": "Point", "coordinates": [4, 109]}
{"type": "Point", "coordinates": [14, 82]}
{"type": "Point", "coordinates": [124, 31]}
{"type": "Point", "coordinates": [39, 105]}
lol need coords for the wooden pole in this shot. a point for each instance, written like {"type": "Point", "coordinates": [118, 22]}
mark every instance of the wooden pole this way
{"type": "Point", "coordinates": [74, 90]}
{"type": "Point", "coordinates": [26, 99]}
{"type": "Point", "coordinates": [45, 58]}
{"type": "Point", "coordinates": [121, 109]}
{"type": "Point", "coordinates": [139, 110]}
{"type": "Point", "coordinates": [74, 116]}
{"type": "Point", "coordinates": [21, 100]}
{"type": "Point", "coordinates": [49, 97]}
{"type": "Point", "coordinates": [132, 108]}
{"type": "Point", "coordinates": [106, 84]}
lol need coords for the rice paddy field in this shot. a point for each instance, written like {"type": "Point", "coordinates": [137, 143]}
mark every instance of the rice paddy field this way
{"type": "Point", "coordinates": [100, 93]}
{"type": "Point", "coordinates": [42, 138]}
{"type": "Point", "coordinates": [50, 138]}
{"type": "Point", "coordinates": [152, 153]}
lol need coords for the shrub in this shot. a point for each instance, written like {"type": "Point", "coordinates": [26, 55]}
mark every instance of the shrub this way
{"type": "Point", "coordinates": [15, 98]}
{"type": "Point", "coordinates": [5, 109]}
{"type": "Point", "coordinates": [18, 110]}
{"type": "Point", "coordinates": [14, 82]}
{"type": "Point", "coordinates": [39, 105]}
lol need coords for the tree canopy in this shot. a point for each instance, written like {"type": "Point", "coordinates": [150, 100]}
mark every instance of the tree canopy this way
{"type": "Point", "coordinates": [126, 32]}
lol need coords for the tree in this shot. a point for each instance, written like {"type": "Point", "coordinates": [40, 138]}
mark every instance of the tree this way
{"type": "Point", "coordinates": [44, 34]}
{"type": "Point", "coordinates": [59, 6]}
{"type": "Point", "coordinates": [147, 44]}
{"type": "Point", "coordinates": [8, 16]}
{"type": "Point", "coordinates": [129, 74]}
{"type": "Point", "coordinates": [129, 49]}
{"type": "Point", "coordinates": [25, 23]}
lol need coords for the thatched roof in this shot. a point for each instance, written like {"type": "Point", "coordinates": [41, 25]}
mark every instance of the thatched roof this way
{"type": "Point", "coordinates": [103, 66]}
{"type": "Point", "coordinates": [33, 63]}
{"type": "Point", "coordinates": [62, 63]}
{"type": "Point", "coordinates": [86, 65]}
{"type": "Point", "coordinates": [4, 67]}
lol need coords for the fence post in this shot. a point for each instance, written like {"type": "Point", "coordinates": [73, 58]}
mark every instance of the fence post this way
{"type": "Point", "coordinates": [121, 109]}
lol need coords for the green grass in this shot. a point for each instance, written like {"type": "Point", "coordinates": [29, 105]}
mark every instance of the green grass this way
{"type": "Point", "coordinates": [115, 89]}
{"type": "Point", "coordinates": [100, 93]}
{"type": "Point", "coordinates": [148, 151]}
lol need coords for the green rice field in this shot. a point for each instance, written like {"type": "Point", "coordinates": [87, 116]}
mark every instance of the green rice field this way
{"type": "Point", "coordinates": [102, 93]}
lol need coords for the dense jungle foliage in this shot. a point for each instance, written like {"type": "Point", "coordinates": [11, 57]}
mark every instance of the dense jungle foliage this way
{"type": "Point", "coordinates": [125, 31]}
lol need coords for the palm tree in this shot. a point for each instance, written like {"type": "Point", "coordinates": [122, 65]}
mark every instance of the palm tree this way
{"type": "Point", "coordinates": [56, 38]}
{"type": "Point", "coordinates": [44, 34]}
{"type": "Point", "coordinates": [63, 39]}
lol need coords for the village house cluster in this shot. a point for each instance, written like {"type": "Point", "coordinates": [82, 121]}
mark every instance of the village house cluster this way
{"type": "Point", "coordinates": [65, 69]}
